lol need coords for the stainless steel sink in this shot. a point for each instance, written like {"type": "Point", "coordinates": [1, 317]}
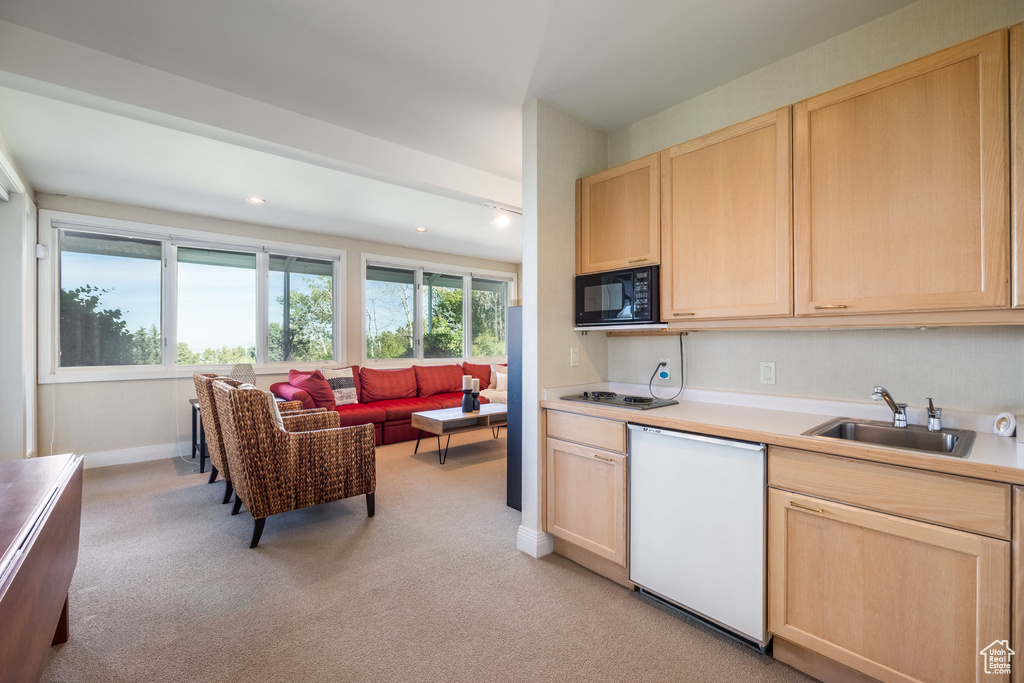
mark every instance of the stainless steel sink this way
{"type": "Point", "coordinates": [952, 442]}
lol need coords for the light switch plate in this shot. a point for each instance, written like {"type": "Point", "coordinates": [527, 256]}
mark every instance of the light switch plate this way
{"type": "Point", "coordinates": [767, 372]}
{"type": "Point", "coordinates": [574, 357]}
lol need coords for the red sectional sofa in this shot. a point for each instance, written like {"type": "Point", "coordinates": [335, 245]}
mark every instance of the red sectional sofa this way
{"type": "Point", "coordinates": [388, 398]}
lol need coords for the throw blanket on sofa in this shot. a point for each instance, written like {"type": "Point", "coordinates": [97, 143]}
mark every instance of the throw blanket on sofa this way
{"type": "Point", "coordinates": [494, 396]}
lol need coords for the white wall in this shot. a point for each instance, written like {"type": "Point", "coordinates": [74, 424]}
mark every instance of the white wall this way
{"type": "Point", "coordinates": [968, 368]}
{"type": "Point", "coordinates": [557, 149]}
{"type": "Point", "coordinates": [153, 416]}
{"type": "Point", "coordinates": [17, 327]}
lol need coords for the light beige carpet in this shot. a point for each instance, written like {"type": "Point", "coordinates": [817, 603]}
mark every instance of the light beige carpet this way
{"type": "Point", "coordinates": [431, 589]}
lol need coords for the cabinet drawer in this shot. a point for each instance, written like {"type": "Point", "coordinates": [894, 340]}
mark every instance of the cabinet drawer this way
{"type": "Point", "coordinates": [593, 431]}
{"type": "Point", "coordinates": [958, 502]}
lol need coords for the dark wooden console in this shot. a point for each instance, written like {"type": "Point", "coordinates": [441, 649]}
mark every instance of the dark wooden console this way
{"type": "Point", "coordinates": [40, 518]}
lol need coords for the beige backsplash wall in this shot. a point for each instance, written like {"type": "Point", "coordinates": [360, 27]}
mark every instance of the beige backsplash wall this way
{"type": "Point", "coordinates": [966, 368]}
{"type": "Point", "coordinates": [96, 417]}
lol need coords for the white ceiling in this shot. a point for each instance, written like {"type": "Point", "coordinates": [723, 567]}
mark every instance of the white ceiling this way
{"type": "Point", "coordinates": [420, 95]}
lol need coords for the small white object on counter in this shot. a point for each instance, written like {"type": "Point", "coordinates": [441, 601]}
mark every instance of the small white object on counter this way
{"type": "Point", "coordinates": [1004, 424]}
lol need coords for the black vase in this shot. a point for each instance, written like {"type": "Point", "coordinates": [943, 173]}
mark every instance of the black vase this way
{"type": "Point", "coordinates": [476, 401]}
{"type": "Point", "coordinates": [467, 400]}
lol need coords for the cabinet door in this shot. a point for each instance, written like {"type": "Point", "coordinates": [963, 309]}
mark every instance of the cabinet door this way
{"type": "Point", "coordinates": [586, 498]}
{"type": "Point", "coordinates": [726, 233]}
{"type": "Point", "coordinates": [1017, 133]}
{"type": "Point", "coordinates": [618, 223]}
{"type": "Point", "coordinates": [1018, 584]}
{"type": "Point", "coordinates": [893, 598]}
{"type": "Point", "coordinates": [901, 185]}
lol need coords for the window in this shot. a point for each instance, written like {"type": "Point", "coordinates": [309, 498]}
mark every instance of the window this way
{"type": "Point", "coordinates": [301, 309]}
{"type": "Point", "coordinates": [110, 300]}
{"type": "Point", "coordinates": [390, 305]}
{"type": "Point", "coordinates": [122, 300]}
{"type": "Point", "coordinates": [442, 312]}
{"type": "Point", "coordinates": [490, 299]}
{"type": "Point", "coordinates": [454, 316]}
{"type": "Point", "coordinates": [216, 307]}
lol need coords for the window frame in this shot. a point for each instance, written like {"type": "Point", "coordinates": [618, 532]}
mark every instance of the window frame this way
{"type": "Point", "coordinates": [171, 238]}
{"type": "Point", "coordinates": [419, 267]}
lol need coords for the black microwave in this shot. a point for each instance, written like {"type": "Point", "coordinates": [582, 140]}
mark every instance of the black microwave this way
{"type": "Point", "coordinates": [619, 297]}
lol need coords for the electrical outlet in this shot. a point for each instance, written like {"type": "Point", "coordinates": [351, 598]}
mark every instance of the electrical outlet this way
{"type": "Point", "coordinates": [767, 372]}
{"type": "Point", "coordinates": [664, 372]}
{"type": "Point", "coordinates": [574, 357]}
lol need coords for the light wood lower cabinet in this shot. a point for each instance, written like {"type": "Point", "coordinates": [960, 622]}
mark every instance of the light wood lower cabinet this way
{"type": "Point", "coordinates": [1018, 585]}
{"type": "Point", "coordinates": [586, 498]}
{"type": "Point", "coordinates": [897, 599]}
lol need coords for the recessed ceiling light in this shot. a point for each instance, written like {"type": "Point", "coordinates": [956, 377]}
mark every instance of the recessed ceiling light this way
{"type": "Point", "coordinates": [500, 220]}
{"type": "Point", "coordinates": [256, 200]}
{"type": "Point", "coordinates": [421, 229]}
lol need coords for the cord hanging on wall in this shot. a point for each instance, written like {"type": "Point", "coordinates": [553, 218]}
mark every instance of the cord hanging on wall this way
{"type": "Point", "coordinates": [682, 374]}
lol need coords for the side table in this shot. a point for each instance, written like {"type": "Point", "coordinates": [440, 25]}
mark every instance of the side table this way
{"type": "Point", "coordinates": [198, 439]}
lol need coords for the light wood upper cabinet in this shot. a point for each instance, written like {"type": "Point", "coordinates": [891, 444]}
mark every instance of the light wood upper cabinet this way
{"type": "Point", "coordinates": [726, 223]}
{"type": "Point", "coordinates": [617, 223]}
{"type": "Point", "coordinates": [896, 599]}
{"type": "Point", "coordinates": [1017, 160]}
{"type": "Point", "coordinates": [901, 190]}
{"type": "Point", "coordinates": [586, 498]}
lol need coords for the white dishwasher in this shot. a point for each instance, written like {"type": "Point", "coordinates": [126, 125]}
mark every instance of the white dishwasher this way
{"type": "Point", "coordinates": [697, 526]}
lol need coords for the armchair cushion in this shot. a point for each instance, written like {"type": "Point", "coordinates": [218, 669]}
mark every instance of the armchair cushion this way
{"type": "Point", "coordinates": [381, 385]}
{"type": "Point", "coordinates": [437, 379]}
{"type": "Point", "coordinates": [315, 385]}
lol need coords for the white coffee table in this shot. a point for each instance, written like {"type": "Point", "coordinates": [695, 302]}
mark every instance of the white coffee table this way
{"type": "Point", "coordinates": [448, 421]}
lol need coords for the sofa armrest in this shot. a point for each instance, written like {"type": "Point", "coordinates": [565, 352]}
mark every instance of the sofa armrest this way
{"type": "Point", "coordinates": [310, 421]}
{"type": "Point", "coordinates": [290, 393]}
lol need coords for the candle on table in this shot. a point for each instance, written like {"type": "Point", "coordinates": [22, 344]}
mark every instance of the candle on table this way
{"type": "Point", "coordinates": [476, 385]}
{"type": "Point", "coordinates": [467, 382]}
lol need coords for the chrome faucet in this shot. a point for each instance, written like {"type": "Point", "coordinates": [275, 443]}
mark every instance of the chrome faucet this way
{"type": "Point", "coordinates": [934, 417]}
{"type": "Point", "coordinates": [899, 410]}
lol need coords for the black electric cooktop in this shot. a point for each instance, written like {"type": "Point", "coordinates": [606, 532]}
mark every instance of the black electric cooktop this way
{"type": "Point", "coordinates": [610, 398]}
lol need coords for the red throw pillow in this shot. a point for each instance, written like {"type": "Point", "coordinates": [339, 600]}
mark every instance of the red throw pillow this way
{"type": "Point", "coordinates": [481, 372]}
{"type": "Point", "coordinates": [380, 385]}
{"type": "Point", "coordinates": [438, 379]}
{"type": "Point", "coordinates": [314, 384]}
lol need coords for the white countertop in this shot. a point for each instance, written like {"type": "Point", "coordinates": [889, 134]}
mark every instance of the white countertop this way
{"type": "Point", "coordinates": [781, 422]}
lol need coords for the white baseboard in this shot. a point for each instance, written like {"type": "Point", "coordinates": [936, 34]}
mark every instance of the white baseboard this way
{"type": "Point", "coordinates": [125, 456]}
{"type": "Point", "coordinates": [535, 542]}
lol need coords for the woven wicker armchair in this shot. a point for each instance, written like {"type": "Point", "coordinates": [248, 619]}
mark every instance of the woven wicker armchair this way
{"type": "Point", "coordinates": [211, 425]}
{"type": "Point", "coordinates": [274, 470]}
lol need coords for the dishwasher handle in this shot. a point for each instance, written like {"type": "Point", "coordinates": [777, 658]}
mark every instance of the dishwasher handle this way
{"type": "Point", "coordinates": [745, 445]}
